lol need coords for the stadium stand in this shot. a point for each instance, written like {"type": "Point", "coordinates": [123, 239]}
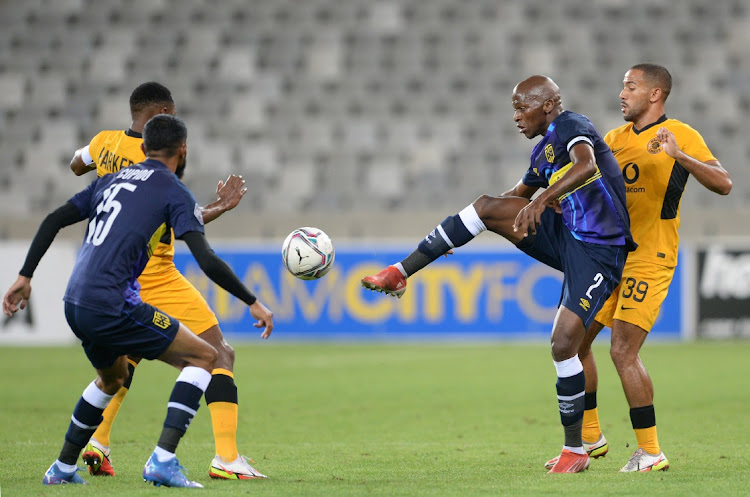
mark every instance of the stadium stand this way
{"type": "Point", "coordinates": [394, 106]}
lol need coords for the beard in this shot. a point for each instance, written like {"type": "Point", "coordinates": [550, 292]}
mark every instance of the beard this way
{"type": "Point", "coordinates": [180, 171]}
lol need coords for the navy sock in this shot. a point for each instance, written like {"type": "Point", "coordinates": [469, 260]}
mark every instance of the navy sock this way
{"type": "Point", "coordinates": [183, 405]}
{"type": "Point", "coordinates": [449, 234]}
{"type": "Point", "coordinates": [571, 401]}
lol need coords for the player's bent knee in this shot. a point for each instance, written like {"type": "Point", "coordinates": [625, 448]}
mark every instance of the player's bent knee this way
{"type": "Point", "coordinates": [225, 356]}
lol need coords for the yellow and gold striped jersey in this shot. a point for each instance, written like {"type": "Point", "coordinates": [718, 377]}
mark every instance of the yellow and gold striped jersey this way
{"type": "Point", "coordinates": [112, 150]}
{"type": "Point", "coordinates": [654, 183]}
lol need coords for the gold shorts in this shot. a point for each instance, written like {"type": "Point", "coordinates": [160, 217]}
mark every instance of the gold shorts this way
{"type": "Point", "coordinates": [171, 293]}
{"type": "Point", "coordinates": [638, 298]}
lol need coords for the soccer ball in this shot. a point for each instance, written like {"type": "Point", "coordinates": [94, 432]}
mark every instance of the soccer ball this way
{"type": "Point", "coordinates": [308, 253]}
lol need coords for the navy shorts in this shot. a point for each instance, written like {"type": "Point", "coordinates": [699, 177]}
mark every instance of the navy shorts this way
{"type": "Point", "coordinates": [140, 330]}
{"type": "Point", "coordinates": [590, 271]}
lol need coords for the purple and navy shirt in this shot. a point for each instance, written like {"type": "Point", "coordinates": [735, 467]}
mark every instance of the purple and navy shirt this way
{"type": "Point", "coordinates": [596, 211]}
{"type": "Point", "coordinates": [128, 212]}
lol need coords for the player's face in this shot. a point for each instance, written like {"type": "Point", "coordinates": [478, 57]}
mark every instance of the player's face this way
{"type": "Point", "coordinates": [529, 115]}
{"type": "Point", "coordinates": [634, 97]}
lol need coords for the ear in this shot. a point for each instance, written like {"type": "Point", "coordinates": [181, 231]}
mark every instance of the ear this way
{"type": "Point", "coordinates": [655, 95]}
{"type": "Point", "coordinates": [143, 148]}
{"type": "Point", "coordinates": [548, 105]}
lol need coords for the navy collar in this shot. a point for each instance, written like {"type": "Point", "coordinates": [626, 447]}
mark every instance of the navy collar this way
{"type": "Point", "coordinates": [134, 134]}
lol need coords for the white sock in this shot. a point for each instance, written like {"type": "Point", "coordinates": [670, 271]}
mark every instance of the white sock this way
{"type": "Point", "coordinates": [66, 468]}
{"type": "Point", "coordinates": [401, 269]}
{"type": "Point", "coordinates": [471, 220]}
{"type": "Point", "coordinates": [577, 450]}
{"type": "Point", "coordinates": [163, 455]}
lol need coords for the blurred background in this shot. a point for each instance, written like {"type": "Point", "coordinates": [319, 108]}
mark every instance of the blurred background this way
{"type": "Point", "coordinates": [370, 115]}
{"type": "Point", "coordinates": [373, 120]}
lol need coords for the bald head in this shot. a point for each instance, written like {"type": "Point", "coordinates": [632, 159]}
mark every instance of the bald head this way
{"type": "Point", "coordinates": [536, 101]}
{"type": "Point", "coordinates": [538, 88]}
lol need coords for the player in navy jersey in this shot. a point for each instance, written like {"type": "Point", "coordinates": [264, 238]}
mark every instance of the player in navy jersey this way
{"type": "Point", "coordinates": [579, 225]}
{"type": "Point", "coordinates": [128, 212]}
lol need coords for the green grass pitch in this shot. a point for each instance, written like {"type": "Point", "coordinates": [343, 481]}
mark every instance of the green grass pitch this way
{"type": "Point", "coordinates": [332, 419]}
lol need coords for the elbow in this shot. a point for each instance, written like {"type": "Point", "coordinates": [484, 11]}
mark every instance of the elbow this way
{"type": "Point", "coordinates": [77, 170]}
{"type": "Point", "coordinates": [724, 188]}
{"type": "Point", "coordinates": [727, 187]}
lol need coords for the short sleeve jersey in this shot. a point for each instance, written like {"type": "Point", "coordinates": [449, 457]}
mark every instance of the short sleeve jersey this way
{"type": "Point", "coordinates": [128, 213]}
{"type": "Point", "coordinates": [654, 183]}
{"type": "Point", "coordinates": [114, 149]}
{"type": "Point", "coordinates": [595, 212]}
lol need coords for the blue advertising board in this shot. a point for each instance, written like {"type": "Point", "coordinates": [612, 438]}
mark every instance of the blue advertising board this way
{"type": "Point", "coordinates": [479, 292]}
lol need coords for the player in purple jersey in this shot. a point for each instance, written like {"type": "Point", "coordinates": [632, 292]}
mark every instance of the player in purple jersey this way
{"type": "Point", "coordinates": [579, 225]}
{"type": "Point", "coordinates": [127, 213]}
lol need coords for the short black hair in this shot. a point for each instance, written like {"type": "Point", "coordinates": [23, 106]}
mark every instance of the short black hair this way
{"type": "Point", "coordinates": [164, 133]}
{"type": "Point", "coordinates": [657, 76]}
{"type": "Point", "coordinates": [149, 94]}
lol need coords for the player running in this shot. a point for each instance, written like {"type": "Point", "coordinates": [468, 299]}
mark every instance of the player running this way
{"type": "Point", "coordinates": [588, 240]}
{"type": "Point", "coordinates": [164, 287]}
{"type": "Point", "coordinates": [128, 212]}
{"type": "Point", "coordinates": [656, 156]}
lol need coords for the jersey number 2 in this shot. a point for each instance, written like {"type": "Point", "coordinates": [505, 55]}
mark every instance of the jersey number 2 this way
{"type": "Point", "coordinates": [106, 213]}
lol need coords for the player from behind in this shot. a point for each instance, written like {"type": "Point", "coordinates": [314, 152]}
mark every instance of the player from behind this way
{"type": "Point", "coordinates": [127, 213]}
{"type": "Point", "coordinates": [656, 155]}
{"type": "Point", "coordinates": [164, 287]}
{"type": "Point", "coordinates": [588, 240]}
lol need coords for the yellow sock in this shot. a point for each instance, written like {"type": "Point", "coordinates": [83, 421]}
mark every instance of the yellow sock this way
{"type": "Point", "coordinates": [224, 421]}
{"type": "Point", "coordinates": [221, 397]}
{"type": "Point", "coordinates": [110, 413]}
{"type": "Point", "coordinates": [102, 432]}
{"type": "Point", "coordinates": [591, 429]}
{"type": "Point", "coordinates": [647, 439]}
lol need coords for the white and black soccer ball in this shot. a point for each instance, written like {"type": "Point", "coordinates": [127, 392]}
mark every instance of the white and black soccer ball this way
{"type": "Point", "coordinates": [308, 253]}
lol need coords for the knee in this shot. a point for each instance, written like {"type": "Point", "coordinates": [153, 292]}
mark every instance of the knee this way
{"type": "Point", "coordinates": [111, 384]}
{"type": "Point", "coordinates": [209, 355]}
{"type": "Point", "coordinates": [481, 205]}
{"type": "Point", "coordinates": [225, 355]}
{"type": "Point", "coordinates": [562, 348]}
{"type": "Point", "coordinates": [621, 356]}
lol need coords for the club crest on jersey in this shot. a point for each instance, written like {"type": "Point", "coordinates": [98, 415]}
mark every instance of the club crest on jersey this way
{"type": "Point", "coordinates": [549, 153]}
{"type": "Point", "coordinates": [161, 320]}
{"type": "Point", "coordinates": [654, 146]}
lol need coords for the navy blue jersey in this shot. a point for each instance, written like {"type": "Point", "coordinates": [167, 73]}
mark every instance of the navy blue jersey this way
{"type": "Point", "coordinates": [128, 213]}
{"type": "Point", "coordinates": [594, 212]}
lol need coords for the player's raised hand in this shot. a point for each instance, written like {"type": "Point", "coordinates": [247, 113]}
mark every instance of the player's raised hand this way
{"type": "Point", "coordinates": [264, 316]}
{"type": "Point", "coordinates": [20, 291]}
{"type": "Point", "coordinates": [668, 142]}
{"type": "Point", "coordinates": [230, 193]}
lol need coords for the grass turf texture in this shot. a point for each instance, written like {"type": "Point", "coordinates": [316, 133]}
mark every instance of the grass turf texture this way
{"type": "Point", "coordinates": [396, 420]}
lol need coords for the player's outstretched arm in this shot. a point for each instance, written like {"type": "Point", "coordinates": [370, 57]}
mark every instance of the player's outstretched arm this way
{"type": "Point", "coordinates": [228, 195]}
{"type": "Point", "coordinates": [221, 274]}
{"type": "Point", "coordinates": [78, 164]}
{"type": "Point", "coordinates": [20, 291]}
{"type": "Point", "coordinates": [710, 174]}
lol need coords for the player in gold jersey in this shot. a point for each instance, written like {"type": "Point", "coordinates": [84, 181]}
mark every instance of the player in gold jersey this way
{"type": "Point", "coordinates": [656, 156]}
{"type": "Point", "coordinates": [165, 288]}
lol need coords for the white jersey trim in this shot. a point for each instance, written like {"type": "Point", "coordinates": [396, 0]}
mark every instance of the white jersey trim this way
{"type": "Point", "coordinates": [578, 139]}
